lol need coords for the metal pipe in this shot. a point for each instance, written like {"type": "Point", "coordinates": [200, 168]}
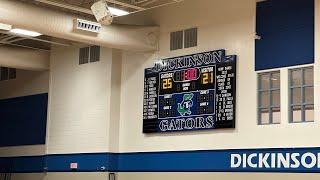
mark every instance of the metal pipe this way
{"type": "Point", "coordinates": [61, 25]}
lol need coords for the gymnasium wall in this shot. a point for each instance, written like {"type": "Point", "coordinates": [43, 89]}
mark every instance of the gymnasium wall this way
{"type": "Point", "coordinates": [235, 32]}
{"type": "Point", "coordinates": [25, 100]}
{"type": "Point", "coordinates": [83, 114]}
{"type": "Point", "coordinates": [23, 113]}
{"type": "Point", "coordinates": [229, 25]}
{"type": "Point", "coordinates": [79, 102]}
{"type": "Point", "coordinates": [27, 83]}
{"type": "Point", "coordinates": [97, 107]}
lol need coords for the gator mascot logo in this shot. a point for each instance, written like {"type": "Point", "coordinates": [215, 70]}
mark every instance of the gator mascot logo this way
{"type": "Point", "coordinates": [184, 108]}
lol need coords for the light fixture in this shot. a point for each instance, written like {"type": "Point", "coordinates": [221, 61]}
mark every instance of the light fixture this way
{"type": "Point", "coordinates": [5, 27]}
{"type": "Point", "coordinates": [25, 32]}
{"type": "Point", "coordinates": [118, 12]}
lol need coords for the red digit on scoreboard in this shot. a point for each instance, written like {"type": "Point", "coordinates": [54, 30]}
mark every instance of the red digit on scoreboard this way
{"type": "Point", "coordinates": [191, 74]}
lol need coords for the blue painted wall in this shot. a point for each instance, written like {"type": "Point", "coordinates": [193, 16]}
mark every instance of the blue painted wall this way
{"type": "Point", "coordinates": [178, 161]}
{"type": "Point", "coordinates": [287, 31]}
{"type": "Point", "coordinates": [90, 162]}
{"type": "Point", "coordinates": [23, 120]}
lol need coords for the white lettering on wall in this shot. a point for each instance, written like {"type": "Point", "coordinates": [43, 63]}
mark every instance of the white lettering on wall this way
{"type": "Point", "coordinates": [306, 160]}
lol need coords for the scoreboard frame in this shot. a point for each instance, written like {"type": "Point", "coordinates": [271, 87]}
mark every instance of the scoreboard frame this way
{"type": "Point", "coordinates": [183, 113]}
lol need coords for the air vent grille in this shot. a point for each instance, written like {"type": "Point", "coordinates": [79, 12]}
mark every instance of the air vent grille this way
{"type": "Point", "coordinates": [4, 73]}
{"type": "Point", "coordinates": [89, 54]}
{"type": "Point", "coordinates": [184, 39]}
{"type": "Point", "coordinates": [12, 73]}
{"type": "Point", "coordinates": [94, 53]}
{"type": "Point", "coordinates": [190, 37]}
{"type": "Point", "coordinates": [89, 26]}
{"type": "Point", "coordinates": [7, 73]}
{"type": "Point", "coordinates": [84, 55]}
{"type": "Point", "coordinates": [176, 40]}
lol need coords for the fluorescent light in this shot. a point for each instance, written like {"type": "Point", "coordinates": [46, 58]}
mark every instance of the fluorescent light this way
{"type": "Point", "coordinates": [5, 27]}
{"type": "Point", "coordinates": [25, 32]}
{"type": "Point", "coordinates": [118, 12]}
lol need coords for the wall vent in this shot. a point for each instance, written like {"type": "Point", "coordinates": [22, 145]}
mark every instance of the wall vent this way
{"type": "Point", "coordinates": [88, 26]}
{"type": "Point", "coordinates": [89, 54]}
{"type": "Point", "coordinates": [176, 40]}
{"type": "Point", "coordinates": [4, 73]}
{"type": "Point", "coordinates": [84, 55]}
{"type": "Point", "coordinates": [184, 39]}
{"type": "Point", "coordinates": [94, 53]}
{"type": "Point", "coordinates": [12, 73]}
{"type": "Point", "coordinates": [190, 37]}
{"type": "Point", "coordinates": [7, 73]}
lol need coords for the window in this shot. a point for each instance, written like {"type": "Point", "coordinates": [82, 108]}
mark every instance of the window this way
{"type": "Point", "coordinates": [301, 95]}
{"type": "Point", "coordinates": [269, 98]}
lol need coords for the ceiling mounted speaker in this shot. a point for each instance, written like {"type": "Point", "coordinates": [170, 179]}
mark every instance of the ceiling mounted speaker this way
{"type": "Point", "coordinates": [102, 13]}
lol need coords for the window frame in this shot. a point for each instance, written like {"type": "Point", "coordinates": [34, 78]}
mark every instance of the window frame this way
{"type": "Point", "coordinates": [302, 88]}
{"type": "Point", "coordinates": [269, 90]}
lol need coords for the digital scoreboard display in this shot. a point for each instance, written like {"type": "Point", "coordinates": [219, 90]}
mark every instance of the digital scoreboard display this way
{"type": "Point", "coordinates": [194, 92]}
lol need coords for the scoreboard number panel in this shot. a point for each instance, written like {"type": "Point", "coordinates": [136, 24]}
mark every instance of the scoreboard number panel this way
{"type": "Point", "coordinates": [193, 92]}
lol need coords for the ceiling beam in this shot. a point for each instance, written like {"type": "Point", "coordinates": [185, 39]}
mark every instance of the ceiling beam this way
{"type": "Point", "coordinates": [17, 39]}
{"type": "Point", "coordinates": [23, 46]}
{"type": "Point", "coordinates": [85, 10]}
{"type": "Point", "coordinates": [66, 6]}
{"type": "Point", "coordinates": [21, 37]}
{"type": "Point", "coordinates": [126, 5]}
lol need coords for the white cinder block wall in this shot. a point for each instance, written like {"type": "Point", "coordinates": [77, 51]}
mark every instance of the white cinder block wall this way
{"type": "Point", "coordinates": [235, 32]}
{"type": "Point", "coordinates": [27, 83]}
{"type": "Point", "coordinates": [83, 103]}
{"type": "Point", "coordinates": [79, 102]}
{"type": "Point", "coordinates": [222, 24]}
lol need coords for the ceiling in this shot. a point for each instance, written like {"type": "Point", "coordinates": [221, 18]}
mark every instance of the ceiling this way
{"type": "Point", "coordinates": [42, 42]}
{"type": "Point", "coordinates": [79, 8]}
{"type": "Point", "coordinates": [82, 7]}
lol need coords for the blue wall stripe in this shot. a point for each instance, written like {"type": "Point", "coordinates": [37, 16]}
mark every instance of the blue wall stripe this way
{"type": "Point", "coordinates": [86, 162]}
{"type": "Point", "coordinates": [26, 164]}
{"type": "Point", "coordinates": [179, 161]}
{"type": "Point", "coordinates": [23, 120]}
{"type": "Point", "coordinates": [287, 33]}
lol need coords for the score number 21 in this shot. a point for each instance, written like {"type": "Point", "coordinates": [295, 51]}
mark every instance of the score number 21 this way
{"type": "Point", "coordinates": [207, 78]}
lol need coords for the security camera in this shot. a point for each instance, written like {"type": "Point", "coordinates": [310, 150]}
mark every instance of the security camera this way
{"type": "Point", "coordinates": [102, 13]}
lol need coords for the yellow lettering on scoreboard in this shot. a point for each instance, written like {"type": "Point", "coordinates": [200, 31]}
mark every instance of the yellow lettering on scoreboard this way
{"type": "Point", "coordinates": [167, 83]}
{"type": "Point", "coordinates": [207, 78]}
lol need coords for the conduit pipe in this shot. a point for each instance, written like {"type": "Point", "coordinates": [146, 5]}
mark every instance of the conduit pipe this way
{"type": "Point", "coordinates": [58, 24]}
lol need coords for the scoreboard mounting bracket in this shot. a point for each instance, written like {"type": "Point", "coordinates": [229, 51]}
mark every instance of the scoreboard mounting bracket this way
{"type": "Point", "coordinates": [192, 92]}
